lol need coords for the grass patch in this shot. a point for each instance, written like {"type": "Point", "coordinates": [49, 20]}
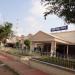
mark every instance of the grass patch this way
{"type": "Point", "coordinates": [16, 52]}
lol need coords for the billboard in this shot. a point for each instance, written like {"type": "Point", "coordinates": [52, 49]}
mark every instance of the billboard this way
{"type": "Point", "coordinates": [59, 28]}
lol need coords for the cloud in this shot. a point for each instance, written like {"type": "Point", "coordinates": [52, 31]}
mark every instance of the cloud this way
{"type": "Point", "coordinates": [18, 30]}
{"type": "Point", "coordinates": [37, 9]}
{"type": "Point", "coordinates": [33, 22]}
{"type": "Point", "coordinates": [36, 13]}
{"type": "Point", "coordinates": [1, 18]}
{"type": "Point", "coordinates": [33, 19]}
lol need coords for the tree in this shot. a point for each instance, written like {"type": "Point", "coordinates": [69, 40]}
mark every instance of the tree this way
{"type": "Point", "coordinates": [5, 31]}
{"type": "Point", "coordinates": [27, 43]}
{"type": "Point", "coordinates": [17, 44]}
{"type": "Point", "coordinates": [61, 8]}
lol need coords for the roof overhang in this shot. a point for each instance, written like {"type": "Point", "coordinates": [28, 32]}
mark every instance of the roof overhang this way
{"type": "Point", "coordinates": [47, 38]}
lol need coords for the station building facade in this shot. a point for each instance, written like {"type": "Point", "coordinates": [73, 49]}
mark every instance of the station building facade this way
{"type": "Point", "coordinates": [61, 43]}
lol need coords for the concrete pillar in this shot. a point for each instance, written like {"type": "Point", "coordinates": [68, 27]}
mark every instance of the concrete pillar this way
{"type": "Point", "coordinates": [53, 49]}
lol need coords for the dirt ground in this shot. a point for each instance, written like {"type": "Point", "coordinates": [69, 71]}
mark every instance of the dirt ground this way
{"type": "Point", "coordinates": [5, 71]}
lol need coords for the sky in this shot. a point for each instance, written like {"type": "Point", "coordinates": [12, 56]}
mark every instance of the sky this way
{"type": "Point", "coordinates": [27, 16]}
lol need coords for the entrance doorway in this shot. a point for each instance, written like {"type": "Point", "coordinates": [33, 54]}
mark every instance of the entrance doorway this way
{"type": "Point", "coordinates": [46, 47]}
{"type": "Point", "coordinates": [61, 50]}
{"type": "Point", "coordinates": [71, 51]}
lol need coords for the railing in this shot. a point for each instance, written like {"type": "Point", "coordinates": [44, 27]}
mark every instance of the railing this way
{"type": "Point", "coordinates": [58, 59]}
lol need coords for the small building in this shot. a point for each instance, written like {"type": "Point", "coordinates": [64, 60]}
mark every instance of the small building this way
{"type": "Point", "coordinates": [62, 43]}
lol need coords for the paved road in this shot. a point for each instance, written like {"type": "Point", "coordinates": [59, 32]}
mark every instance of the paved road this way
{"type": "Point", "coordinates": [21, 68]}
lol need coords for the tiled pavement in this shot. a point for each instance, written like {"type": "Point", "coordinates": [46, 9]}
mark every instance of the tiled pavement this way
{"type": "Point", "coordinates": [19, 67]}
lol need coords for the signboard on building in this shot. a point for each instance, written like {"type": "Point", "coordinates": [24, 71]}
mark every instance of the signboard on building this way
{"type": "Point", "coordinates": [59, 28]}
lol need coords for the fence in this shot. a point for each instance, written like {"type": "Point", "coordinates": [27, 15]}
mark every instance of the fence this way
{"type": "Point", "coordinates": [60, 59]}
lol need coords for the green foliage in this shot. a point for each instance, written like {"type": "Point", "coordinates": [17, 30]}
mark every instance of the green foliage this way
{"type": "Point", "coordinates": [17, 44]}
{"type": "Point", "coordinates": [27, 43]}
{"type": "Point", "coordinates": [62, 8]}
{"type": "Point", "coordinates": [58, 61]}
{"type": "Point", "coordinates": [5, 30]}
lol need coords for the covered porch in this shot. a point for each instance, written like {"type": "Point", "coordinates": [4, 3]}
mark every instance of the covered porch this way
{"type": "Point", "coordinates": [49, 45]}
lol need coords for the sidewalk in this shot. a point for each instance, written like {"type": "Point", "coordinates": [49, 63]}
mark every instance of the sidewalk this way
{"type": "Point", "coordinates": [19, 67]}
